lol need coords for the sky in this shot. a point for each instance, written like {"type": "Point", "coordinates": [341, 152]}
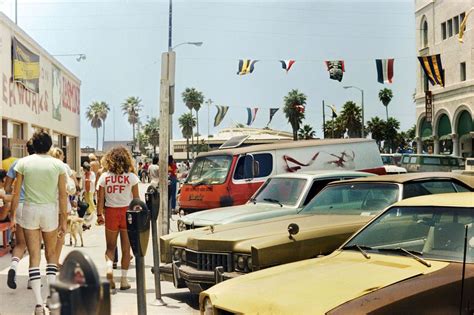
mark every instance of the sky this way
{"type": "Point", "coordinates": [124, 39]}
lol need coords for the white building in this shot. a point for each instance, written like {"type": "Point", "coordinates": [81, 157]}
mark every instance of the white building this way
{"type": "Point", "coordinates": [437, 26]}
{"type": "Point", "coordinates": [54, 106]}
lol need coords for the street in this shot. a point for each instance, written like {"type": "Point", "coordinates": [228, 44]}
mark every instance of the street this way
{"type": "Point", "coordinates": [20, 301]}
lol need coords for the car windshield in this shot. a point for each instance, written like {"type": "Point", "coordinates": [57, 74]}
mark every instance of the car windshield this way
{"type": "Point", "coordinates": [353, 199]}
{"type": "Point", "coordinates": [286, 191]}
{"type": "Point", "coordinates": [209, 170]}
{"type": "Point", "coordinates": [434, 233]}
{"type": "Point", "coordinates": [388, 160]}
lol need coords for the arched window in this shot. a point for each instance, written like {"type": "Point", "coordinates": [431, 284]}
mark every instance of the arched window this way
{"type": "Point", "coordinates": [424, 33]}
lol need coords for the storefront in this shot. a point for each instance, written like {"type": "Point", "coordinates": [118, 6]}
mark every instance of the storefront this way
{"type": "Point", "coordinates": [36, 93]}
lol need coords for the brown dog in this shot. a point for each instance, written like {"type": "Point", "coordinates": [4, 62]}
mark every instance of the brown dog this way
{"type": "Point", "coordinates": [74, 227]}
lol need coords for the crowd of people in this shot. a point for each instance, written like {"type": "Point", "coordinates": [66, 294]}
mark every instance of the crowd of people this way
{"type": "Point", "coordinates": [39, 192]}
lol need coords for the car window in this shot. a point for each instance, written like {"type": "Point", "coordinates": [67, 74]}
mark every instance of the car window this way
{"type": "Point", "coordinates": [316, 188]}
{"type": "Point", "coordinates": [438, 233]}
{"type": "Point", "coordinates": [353, 199]}
{"type": "Point", "coordinates": [265, 166]}
{"type": "Point", "coordinates": [460, 188]}
{"type": "Point", "coordinates": [431, 160]}
{"type": "Point", "coordinates": [286, 191]}
{"type": "Point", "coordinates": [406, 159]}
{"type": "Point", "coordinates": [414, 189]}
{"type": "Point", "coordinates": [413, 159]}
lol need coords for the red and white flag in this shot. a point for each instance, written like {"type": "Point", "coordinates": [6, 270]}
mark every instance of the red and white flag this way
{"type": "Point", "coordinates": [286, 64]}
{"type": "Point", "coordinates": [384, 70]}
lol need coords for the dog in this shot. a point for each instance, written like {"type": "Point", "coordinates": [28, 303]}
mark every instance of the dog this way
{"type": "Point", "coordinates": [74, 227]}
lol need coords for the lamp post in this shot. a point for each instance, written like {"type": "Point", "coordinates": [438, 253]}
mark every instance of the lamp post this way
{"type": "Point", "coordinates": [362, 105]}
{"type": "Point", "coordinates": [79, 57]}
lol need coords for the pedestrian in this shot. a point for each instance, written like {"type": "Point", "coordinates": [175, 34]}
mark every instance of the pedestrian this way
{"type": "Point", "coordinates": [173, 180]}
{"type": "Point", "coordinates": [20, 243]}
{"type": "Point", "coordinates": [89, 190]}
{"type": "Point", "coordinates": [153, 172]}
{"type": "Point", "coordinates": [7, 157]}
{"type": "Point", "coordinates": [145, 178]}
{"type": "Point", "coordinates": [71, 184]}
{"type": "Point", "coordinates": [45, 180]}
{"type": "Point", "coordinates": [140, 170]}
{"type": "Point", "coordinates": [118, 185]}
{"type": "Point", "coordinates": [5, 199]}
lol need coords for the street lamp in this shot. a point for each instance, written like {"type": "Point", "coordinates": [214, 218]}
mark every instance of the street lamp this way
{"type": "Point", "coordinates": [362, 92]}
{"type": "Point", "coordinates": [79, 57]}
{"type": "Point", "coordinates": [198, 44]}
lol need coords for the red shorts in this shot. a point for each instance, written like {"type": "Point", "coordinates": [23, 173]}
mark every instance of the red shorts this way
{"type": "Point", "coordinates": [115, 218]}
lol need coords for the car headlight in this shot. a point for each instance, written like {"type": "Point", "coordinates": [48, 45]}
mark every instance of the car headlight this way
{"type": "Point", "coordinates": [181, 226]}
{"type": "Point", "coordinates": [242, 263]}
{"type": "Point", "coordinates": [208, 309]}
{"type": "Point", "coordinates": [177, 253]}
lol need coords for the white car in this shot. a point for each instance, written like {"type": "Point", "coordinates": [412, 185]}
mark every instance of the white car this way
{"type": "Point", "coordinates": [280, 195]}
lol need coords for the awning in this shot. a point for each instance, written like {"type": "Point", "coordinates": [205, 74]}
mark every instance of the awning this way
{"type": "Point", "coordinates": [427, 138]}
{"type": "Point", "coordinates": [445, 137]}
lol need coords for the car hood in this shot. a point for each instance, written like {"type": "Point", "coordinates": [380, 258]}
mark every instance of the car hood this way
{"type": "Point", "coordinates": [315, 285]}
{"type": "Point", "coordinates": [234, 213]}
{"type": "Point", "coordinates": [240, 237]}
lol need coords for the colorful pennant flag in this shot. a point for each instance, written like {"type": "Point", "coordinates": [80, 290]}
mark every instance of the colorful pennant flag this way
{"type": "Point", "coordinates": [286, 64]}
{"type": "Point", "coordinates": [333, 110]}
{"type": "Point", "coordinates": [221, 111]}
{"type": "Point", "coordinates": [272, 113]}
{"type": "Point", "coordinates": [252, 114]}
{"type": "Point", "coordinates": [300, 108]}
{"type": "Point", "coordinates": [336, 69]}
{"type": "Point", "coordinates": [433, 68]}
{"type": "Point", "coordinates": [462, 27]}
{"type": "Point", "coordinates": [384, 70]}
{"type": "Point", "coordinates": [246, 66]}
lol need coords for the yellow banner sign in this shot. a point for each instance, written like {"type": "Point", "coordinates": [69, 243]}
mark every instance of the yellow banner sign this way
{"type": "Point", "coordinates": [26, 68]}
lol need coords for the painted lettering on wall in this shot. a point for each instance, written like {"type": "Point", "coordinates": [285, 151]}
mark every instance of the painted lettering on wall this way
{"type": "Point", "coordinates": [16, 94]}
{"type": "Point", "coordinates": [71, 96]}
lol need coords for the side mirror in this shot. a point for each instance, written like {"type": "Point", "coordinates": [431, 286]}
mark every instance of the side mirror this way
{"type": "Point", "coordinates": [251, 167]}
{"type": "Point", "coordinates": [293, 229]}
{"type": "Point", "coordinates": [255, 168]}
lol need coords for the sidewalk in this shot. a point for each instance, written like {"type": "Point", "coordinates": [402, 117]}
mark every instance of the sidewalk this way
{"type": "Point", "coordinates": [21, 300]}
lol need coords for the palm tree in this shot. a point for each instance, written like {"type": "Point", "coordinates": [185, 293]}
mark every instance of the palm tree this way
{"type": "Point", "coordinates": [376, 127]}
{"type": "Point", "coordinates": [306, 133]}
{"type": "Point", "coordinates": [193, 99]}
{"type": "Point", "coordinates": [351, 119]}
{"type": "Point", "coordinates": [334, 128]}
{"type": "Point", "coordinates": [294, 110]}
{"type": "Point", "coordinates": [385, 96]}
{"type": "Point", "coordinates": [132, 107]}
{"type": "Point", "coordinates": [104, 111]}
{"type": "Point", "coordinates": [93, 115]}
{"type": "Point", "coordinates": [152, 131]}
{"type": "Point", "coordinates": [187, 122]}
{"type": "Point", "coordinates": [391, 131]}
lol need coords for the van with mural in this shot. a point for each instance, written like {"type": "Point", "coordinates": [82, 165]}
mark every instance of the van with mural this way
{"type": "Point", "coordinates": [229, 176]}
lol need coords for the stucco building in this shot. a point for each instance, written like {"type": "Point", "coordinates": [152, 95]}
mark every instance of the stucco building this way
{"type": "Point", "coordinates": [437, 28]}
{"type": "Point", "coordinates": [50, 102]}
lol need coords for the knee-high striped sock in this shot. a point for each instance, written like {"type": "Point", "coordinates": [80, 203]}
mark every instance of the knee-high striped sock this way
{"type": "Point", "coordinates": [35, 281]}
{"type": "Point", "coordinates": [51, 271]}
{"type": "Point", "coordinates": [14, 263]}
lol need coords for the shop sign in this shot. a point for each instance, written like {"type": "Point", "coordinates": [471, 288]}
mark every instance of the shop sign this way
{"type": "Point", "coordinates": [429, 106]}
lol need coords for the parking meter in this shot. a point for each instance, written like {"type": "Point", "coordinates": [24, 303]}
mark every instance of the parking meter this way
{"type": "Point", "coordinates": [138, 228]}
{"type": "Point", "coordinates": [78, 289]}
{"type": "Point", "coordinates": [152, 199]}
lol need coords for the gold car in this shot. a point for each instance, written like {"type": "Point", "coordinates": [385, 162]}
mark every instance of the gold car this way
{"type": "Point", "coordinates": [417, 257]}
{"type": "Point", "coordinates": [200, 258]}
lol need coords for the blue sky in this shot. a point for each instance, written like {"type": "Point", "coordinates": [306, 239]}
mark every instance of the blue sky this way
{"type": "Point", "coordinates": [123, 41]}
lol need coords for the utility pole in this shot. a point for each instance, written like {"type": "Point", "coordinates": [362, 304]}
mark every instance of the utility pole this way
{"type": "Point", "coordinates": [324, 122]}
{"type": "Point", "coordinates": [209, 103]}
{"type": "Point", "coordinates": [16, 12]}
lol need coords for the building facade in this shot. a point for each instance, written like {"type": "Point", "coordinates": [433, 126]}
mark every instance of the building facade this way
{"type": "Point", "coordinates": [450, 130]}
{"type": "Point", "coordinates": [50, 103]}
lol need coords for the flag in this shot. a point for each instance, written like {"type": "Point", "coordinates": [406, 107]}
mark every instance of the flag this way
{"type": "Point", "coordinates": [384, 70]}
{"type": "Point", "coordinates": [300, 108]}
{"type": "Point", "coordinates": [286, 64]}
{"type": "Point", "coordinates": [272, 113]}
{"type": "Point", "coordinates": [333, 110]}
{"type": "Point", "coordinates": [433, 68]}
{"type": "Point", "coordinates": [26, 66]}
{"type": "Point", "coordinates": [246, 66]}
{"type": "Point", "coordinates": [252, 113]}
{"type": "Point", "coordinates": [221, 111]}
{"type": "Point", "coordinates": [462, 27]}
{"type": "Point", "coordinates": [336, 69]}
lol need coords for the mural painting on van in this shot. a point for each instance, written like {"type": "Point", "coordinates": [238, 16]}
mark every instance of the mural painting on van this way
{"type": "Point", "coordinates": [344, 160]}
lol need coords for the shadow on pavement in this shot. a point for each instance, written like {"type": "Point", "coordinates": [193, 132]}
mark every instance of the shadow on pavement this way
{"type": "Point", "coordinates": [192, 300]}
